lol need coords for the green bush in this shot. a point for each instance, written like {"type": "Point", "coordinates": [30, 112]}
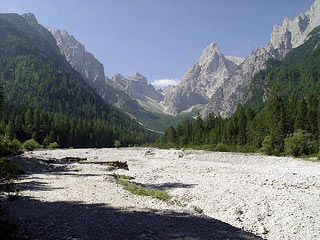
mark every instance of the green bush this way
{"type": "Point", "coordinates": [8, 147]}
{"type": "Point", "coordinates": [300, 143]}
{"type": "Point", "coordinates": [30, 144]}
{"type": "Point", "coordinates": [221, 147]}
{"type": "Point", "coordinates": [267, 147]}
{"type": "Point", "coordinates": [117, 143]}
{"type": "Point", "coordinates": [53, 145]}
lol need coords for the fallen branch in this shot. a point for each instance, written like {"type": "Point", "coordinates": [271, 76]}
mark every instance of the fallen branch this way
{"type": "Point", "coordinates": [116, 164]}
{"type": "Point", "coordinates": [73, 159]}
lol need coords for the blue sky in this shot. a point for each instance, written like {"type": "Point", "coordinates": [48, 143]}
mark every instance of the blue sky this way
{"type": "Point", "coordinates": [160, 39]}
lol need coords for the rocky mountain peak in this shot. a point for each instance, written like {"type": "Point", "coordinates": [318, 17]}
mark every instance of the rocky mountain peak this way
{"type": "Point", "coordinates": [200, 81]}
{"type": "Point", "coordinates": [138, 77]}
{"type": "Point", "coordinates": [46, 37]}
{"type": "Point", "coordinates": [30, 18]}
{"type": "Point", "coordinates": [299, 28]}
{"type": "Point", "coordinates": [209, 54]}
{"type": "Point", "coordinates": [67, 42]}
{"type": "Point", "coordinates": [136, 86]}
{"type": "Point", "coordinates": [80, 60]}
{"type": "Point", "coordinates": [285, 37]}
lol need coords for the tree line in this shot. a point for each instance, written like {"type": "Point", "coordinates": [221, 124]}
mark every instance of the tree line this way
{"type": "Point", "coordinates": [46, 128]}
{"type": "Point", "coordinates": [284, 126]}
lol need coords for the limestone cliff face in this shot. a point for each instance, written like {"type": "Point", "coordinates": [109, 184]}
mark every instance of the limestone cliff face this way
{"type": "Point", "coordinates": [137, 87]}
{"type": "Point", "coordinates": [284, 38]}
{"type": "Point", "coordinates": [200, 81]}
{"type": "Point", "coordinates": [93, 72]}
{"type": "Point", "coordinates": [87, 65]}
{"type": "Point", "coordinates": [81, 60]}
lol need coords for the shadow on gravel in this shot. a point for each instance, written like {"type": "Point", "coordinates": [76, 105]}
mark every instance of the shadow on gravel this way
{"type": "Point", "coordinates": [35, 186]}
{"type": "Point", "coordinates": [45, 166]}
{"type": "Point", "coordinates": [74, 220]}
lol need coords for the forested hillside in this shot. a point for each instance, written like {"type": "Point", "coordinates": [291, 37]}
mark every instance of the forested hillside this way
{"type": "Point", "coordinates": [287, 122]}
{"type": "Point", "coordinates": [40, 87]}
{"type": "Point", "coordinates": [296, 75]}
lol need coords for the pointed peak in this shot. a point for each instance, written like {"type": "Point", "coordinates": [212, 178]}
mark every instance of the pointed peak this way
{"type": "Point", "coordinates": [286, 23]}
{"type": "Point", "coordinates": [209, 53]}
{"type": "Point", "coordinates": [212, 46]}
{"type": "Point", "coordinates": [211, 49]}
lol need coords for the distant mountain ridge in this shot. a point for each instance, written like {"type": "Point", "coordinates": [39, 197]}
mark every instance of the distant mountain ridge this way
{"type": "Point", "coordinates": [214, 84]}
{"type": "Point", "coordinates": [133, 94]}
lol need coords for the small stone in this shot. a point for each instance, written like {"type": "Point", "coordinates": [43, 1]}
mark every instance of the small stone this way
{"type": "Point", "coordinates": [262, 230]}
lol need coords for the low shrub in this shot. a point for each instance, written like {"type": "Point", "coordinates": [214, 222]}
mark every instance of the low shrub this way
{"type": "Point", "coordinates": [267, 147]}
{"type": "Point", "coordinates": [9, 147]}
{"type": "Point", "coordinates": [117, 143]}
{"type": "Point", "coordinates": [53, 145]}
{"type": "Point", "coordinates": [30, 144]}
{"type": "Point", "coordinates": [221, 147]}
{"type": "Point", "coordinates": [300, 143]}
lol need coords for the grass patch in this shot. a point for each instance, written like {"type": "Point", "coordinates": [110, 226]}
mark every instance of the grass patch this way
{"type": "Point", "coordinates": [144, 191]}
{"type": "Point", "coordinates": [198, 209]}
{"type": "Point", "coordinates": [175, 202]}
{"type": "Point", "coordinates": [125, 177]}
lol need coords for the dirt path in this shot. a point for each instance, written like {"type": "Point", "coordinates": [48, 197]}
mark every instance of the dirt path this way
{"type": "Point", "coordinates": [274, 198]}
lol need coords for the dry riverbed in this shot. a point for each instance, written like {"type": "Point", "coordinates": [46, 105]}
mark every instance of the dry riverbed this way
{"type": "Point", "coordinates": [218, 196]}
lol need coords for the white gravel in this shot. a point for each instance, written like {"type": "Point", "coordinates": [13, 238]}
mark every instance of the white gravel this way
{"type": "Point", "coordinates": [272, 197]}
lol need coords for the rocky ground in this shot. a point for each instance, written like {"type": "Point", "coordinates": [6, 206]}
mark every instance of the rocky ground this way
{"type": "Point", "coordinates": [241, 196]}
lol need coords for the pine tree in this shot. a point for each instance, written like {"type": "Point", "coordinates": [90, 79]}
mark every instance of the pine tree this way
{"type": "Point", "coordinates": [301, 118]}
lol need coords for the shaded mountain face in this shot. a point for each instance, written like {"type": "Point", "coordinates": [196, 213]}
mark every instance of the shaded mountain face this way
{"type": "Point", "coordinates": [80, 60]}
{"type": "Point", "coordinates": [200, 81]}
{"type": "Point", "coordinates": [34, 74]}
{"type": "Point", "coordinates": [284, 38]}
{"type": "Point", "coordinates": [87, 65]}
